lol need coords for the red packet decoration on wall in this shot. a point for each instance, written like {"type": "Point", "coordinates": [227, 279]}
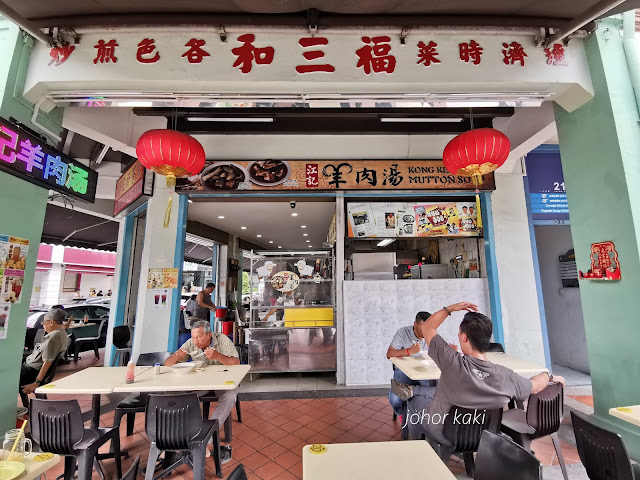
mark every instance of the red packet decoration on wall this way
{"type": "Point", "coordinates": [604, 263]}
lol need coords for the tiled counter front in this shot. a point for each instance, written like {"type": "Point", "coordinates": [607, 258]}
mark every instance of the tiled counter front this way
{"type": "Point", "coordinates": [374, 310]}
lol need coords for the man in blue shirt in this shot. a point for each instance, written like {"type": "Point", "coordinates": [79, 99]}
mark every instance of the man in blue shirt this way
{"type": "Point", "coordinates": [408, 341]}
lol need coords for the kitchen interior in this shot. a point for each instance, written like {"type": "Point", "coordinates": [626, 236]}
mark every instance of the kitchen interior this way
{"type": "Point", "coordinates": [279, 278]}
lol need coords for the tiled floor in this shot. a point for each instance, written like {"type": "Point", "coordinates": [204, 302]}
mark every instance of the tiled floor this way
{"type": "Point", "coordinates": [269, 442]}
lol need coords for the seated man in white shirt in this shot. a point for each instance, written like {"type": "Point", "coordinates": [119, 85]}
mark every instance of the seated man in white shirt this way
{"type": "Point", "coordinates": [213, 349]}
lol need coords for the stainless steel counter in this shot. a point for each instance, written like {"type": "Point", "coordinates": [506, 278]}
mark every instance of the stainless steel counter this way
{"type": "Point", "coordinates": [289, 349]}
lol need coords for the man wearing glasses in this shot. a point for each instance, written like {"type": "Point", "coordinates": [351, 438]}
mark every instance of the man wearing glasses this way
{"type": "Point", "coordinates": [36, 365]}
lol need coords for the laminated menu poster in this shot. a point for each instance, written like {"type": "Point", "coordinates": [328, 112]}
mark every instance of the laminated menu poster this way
{"type": "Point", "coordinates": [468, 214]}
{"type": "Point", "coordinates": [411, 220]}
{"type": "Point", "coordinates": [5, 310]}
{"type": "Point", "coordinates": [11, 282]}
{"type": "Point", "coordinates": [162, 278]}
{"type": "Point", "coordinates": [160, 298]}
{"type": "Point", "coordinates": [13, 252]}
{"type": "Point", "coordinates": [362, 220]}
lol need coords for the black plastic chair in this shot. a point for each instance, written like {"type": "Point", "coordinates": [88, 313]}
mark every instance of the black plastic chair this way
{"type": "Point", "coordinates": [464, 438]}
{"type": "Point", "coordinates": [94, 339]}
{"type": "Point", "coordinates": [542, 418]}
{"type": "Point", "coordinates": [498, 458]}
{"type": "Point", "coordinates": [495, 348]}
{"type": "Point", "coordinates": [121, 337]}
{"type": "Point", "coordinates": [238, 473]}
{"type": "Point", "coordinates": [210, 397]}
{"type": "Point", "coordinates": [132, 473]}
{"type": "Point", "coordinates": [48, 378]}
{"type": "Point", "coordinates": [137, 402]}
{"type": "Point", "coordinates": [57, 427]}
{"type": "Point", "coordinates": [602, 452]}
{"type": "Point", "coordinates": [174, 424]}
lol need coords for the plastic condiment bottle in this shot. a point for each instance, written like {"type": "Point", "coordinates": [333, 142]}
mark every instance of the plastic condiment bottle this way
{"type": "Point", "coordinates": [156, 369]}
{"type": "Point", "coordinates": [131, 372]}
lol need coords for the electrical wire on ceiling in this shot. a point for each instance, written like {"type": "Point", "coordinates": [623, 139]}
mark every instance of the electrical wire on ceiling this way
{"type": "Point", "coordinates": [66, 201]}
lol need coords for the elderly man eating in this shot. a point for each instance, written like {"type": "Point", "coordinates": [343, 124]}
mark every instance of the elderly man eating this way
{"type": "Point", "coordinates": [212, 349]}
{"type": "Point", "coordinates": [36, 365]}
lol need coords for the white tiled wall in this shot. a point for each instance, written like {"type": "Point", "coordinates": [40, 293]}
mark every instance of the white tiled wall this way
{"type": "Point", "coordinates": [375, 310]}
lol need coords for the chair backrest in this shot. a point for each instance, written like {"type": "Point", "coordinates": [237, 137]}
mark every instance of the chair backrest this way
{"type": "Point", "coordinates": [602, 452]}
{"type": "Point", "coordinates": [56, 425]}
{"type": "Point", "coordinates": [173, 420]}
{"type": "Point", "coordinates": [150, 359]}
{"type": "Point", "coordinates": [121, 336]}
{"type": "Point", "coordinates": [103, 324]}
{"type": "Point", "coordinates": [544, 410]}
{"type": "Point", "coordinates": [463, 427]}
{"type": "Point", "coordinates": [90, 331]}
{"type": "Point", "coordinates": [238, 473]}
{"type": "Point", "coordinates": [499, 457]}
{"type": "Point", "coordinates": [51, 373]}
{"type": "Point", "coordinates": [132, 473]}
{"type": "Point", "coordinates": [496, 348]}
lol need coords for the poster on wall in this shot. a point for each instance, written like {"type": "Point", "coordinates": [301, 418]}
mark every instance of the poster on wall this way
{"type": "Point", "coordinates": [11, 282]}
{"type": "Point", "coordinates": [162, 278]}
{"type": "Point", "coordinates": [13, 252]}
{"type": "Point", "coordinates": [160, 297]}
{"type": "Point", "coordinates": [362, 220]}
{"type": "Point", "coordinates": [5, 311]}
{"type": "Point", "coordinates": [413, 220]}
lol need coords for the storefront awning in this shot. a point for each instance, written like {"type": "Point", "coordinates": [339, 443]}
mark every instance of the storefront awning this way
{"type": "Point", "coordinates": [80, 13]}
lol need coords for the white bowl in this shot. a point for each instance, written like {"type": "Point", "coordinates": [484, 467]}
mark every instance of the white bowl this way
{"type": "Point", "coordinates": [428, 362]}
{"type": "Point", "coordinates": [183, 368]}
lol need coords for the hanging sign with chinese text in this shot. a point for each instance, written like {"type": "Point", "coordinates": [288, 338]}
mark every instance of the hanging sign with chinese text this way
{"type": "Point", "coordinates": [135, 183]}
{"type": "Point", "coordinates": [328, 175]}
{"type": "Point", "coordinates": [31, 159]}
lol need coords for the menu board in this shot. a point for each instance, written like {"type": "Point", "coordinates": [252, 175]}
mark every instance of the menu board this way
{"type": "Point", "coordinates": [162, 278]}
{"type": "Point", "coordinates": [389, 220]}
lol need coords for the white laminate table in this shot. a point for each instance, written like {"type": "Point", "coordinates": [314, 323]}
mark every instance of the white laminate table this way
{"type": "Point", "coordinates": [413, 369]}
{"type": "Point", "coordinates": [628, 414]}
{"type": "Point", "coordinates": [93, 381]}
{"type": "Point", "coordinates": [33, 468]}
{"type": "Point", "coordinates": [211, 377]}
{"type": "Point", "coordinates": [374, 461]}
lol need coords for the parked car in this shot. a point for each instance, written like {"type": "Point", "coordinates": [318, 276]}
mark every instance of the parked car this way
{"type": "Point", "coordinates": [95, 314]}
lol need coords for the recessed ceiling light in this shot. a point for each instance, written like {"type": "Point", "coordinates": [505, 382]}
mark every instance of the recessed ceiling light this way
{"type": "Point", "coordinates": [303, 226]}
{"type": "Point", "coordinates": [310, 246]}
{"type": "Point", "coordinates": [243, 228]}
{"type": "Point", "coordinates": [294, 214]}
{"type": "Point", "coordinates": [270, 241]}
{"type": "Point", "coordinates": [190, 201]}
{"type": "Point", "coordinates": [305, 234]}
{"type": "Point", "coordinates": [221, 217]}
{"type": "Point", "coordinates": [279, 246]}
{"type": "Point", "coordinates": [259, 236]}
{"type": "Point", "coordinates": [308, 241]}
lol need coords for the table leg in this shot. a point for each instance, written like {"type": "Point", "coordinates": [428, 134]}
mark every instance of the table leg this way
{"type": "Point", "coordinates": [95, 408]}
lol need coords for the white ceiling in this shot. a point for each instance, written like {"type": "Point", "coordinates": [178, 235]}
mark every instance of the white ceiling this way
{"type": "Point", "coordinates": [272, 220]}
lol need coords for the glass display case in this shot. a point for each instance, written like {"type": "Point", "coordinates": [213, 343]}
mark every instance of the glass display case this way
{"type": "Point", "coordinates": [292, 312]}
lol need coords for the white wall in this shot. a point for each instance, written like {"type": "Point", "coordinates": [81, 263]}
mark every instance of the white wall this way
{"type": "Point", "coordinates": [38, 280]}
{"type": "Point", "coordinates": [98, 282]}
{"type": "Point", "coordinates": [375, 310]}
{"type": "Point", "coordinates": [563, 309]}
{"type": "Point", "coordinates": [518, 295]}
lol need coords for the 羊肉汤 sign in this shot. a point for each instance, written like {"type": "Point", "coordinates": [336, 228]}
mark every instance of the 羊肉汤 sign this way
{"type": "Point", "coordinates": [328, 175]}
{"type": "Point", "coordinates": [30, 158]}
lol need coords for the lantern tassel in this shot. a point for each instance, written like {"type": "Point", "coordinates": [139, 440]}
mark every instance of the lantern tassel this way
{"type": "Point", "coordinates": [479, 211]}
{"type": "Point", "coordinates": [167, 213]}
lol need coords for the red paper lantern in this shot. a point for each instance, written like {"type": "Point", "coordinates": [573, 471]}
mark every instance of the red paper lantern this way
{"type": "Point", "coordinates": [170, 153]}
{"type": "Point", "coordinates": [476, 153]}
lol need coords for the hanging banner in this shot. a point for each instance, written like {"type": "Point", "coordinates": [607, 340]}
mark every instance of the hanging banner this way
{"type": "Point", "coordinates": [327, 175]}
{"type": "Point", "coordinates": [30, 158]}
{"type": "Point", "coordinates": [133, 188]}
{"type": "Point", "coordinates": [389, 220]}
{"type": "Point", "coordinates": [549, 205]}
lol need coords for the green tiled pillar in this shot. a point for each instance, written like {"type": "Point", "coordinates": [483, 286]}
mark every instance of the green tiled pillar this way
{"type": "Point", "coordinates": [600, 147]}
{"type": "Point", "coordinates": [24, 210]}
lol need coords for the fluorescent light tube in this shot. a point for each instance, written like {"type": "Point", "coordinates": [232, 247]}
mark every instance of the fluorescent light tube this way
{"type": "Point", "coordinates": [232, 119]}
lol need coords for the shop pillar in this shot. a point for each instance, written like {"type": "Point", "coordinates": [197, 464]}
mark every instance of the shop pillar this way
{"type": "Point", "coordinates": [25, 204]}
{"type": "Point", "coordinates": [156, 329]}
{"type": "Point", "coordinates": [522, 328]}
{"type": "Point", "coordinates": [599, 143]}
